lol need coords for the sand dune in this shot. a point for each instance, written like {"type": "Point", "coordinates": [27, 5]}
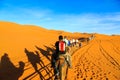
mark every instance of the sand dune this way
{"type": "Point", "coordinates": [97, 60]}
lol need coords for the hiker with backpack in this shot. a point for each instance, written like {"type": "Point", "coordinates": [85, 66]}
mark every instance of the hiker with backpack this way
{"type": "Point", "coordinates": [61, 50]}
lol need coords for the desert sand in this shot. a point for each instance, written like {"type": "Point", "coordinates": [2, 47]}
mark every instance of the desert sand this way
{"type": "Point", "coordinates": [97, 60]}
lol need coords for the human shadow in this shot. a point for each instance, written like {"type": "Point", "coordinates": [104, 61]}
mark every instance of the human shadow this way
{"type": "Point", "coordinates": [34, 58]}
{"type": "Point", "coordinates": [50, 49]}
{"type": "Point", "coordinates": [45, 53]}
{"type": "Point", "coordinates": [8, 71]}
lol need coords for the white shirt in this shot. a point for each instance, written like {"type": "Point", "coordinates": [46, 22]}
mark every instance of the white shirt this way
{"type": "Point", "coordinates": [66, 41]}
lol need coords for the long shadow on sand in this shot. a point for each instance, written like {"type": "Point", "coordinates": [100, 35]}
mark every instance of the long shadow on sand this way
{"type": "Point", "coordinates": [8, 71]}
{"type": "Point", "coordinates": [36, 58]}
{"type": "Point", "coordinates": [46, 52]}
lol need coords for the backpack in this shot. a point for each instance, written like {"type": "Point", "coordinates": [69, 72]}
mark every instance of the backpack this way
{"type": "Point", "coordinates": [62, 46]}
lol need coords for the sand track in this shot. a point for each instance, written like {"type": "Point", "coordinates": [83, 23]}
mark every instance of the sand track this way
{"type": "Point", "coordinates": [99, 60]}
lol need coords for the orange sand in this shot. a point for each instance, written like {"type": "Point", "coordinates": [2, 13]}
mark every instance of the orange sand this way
{"type": "Point", "coordinates": [97, 60]}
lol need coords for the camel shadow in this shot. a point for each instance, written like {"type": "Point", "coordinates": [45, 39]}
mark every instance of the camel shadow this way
{"type": "Point", "coordinates": [49, 53]}
{"type": "Point", "coordinates": [35, 58]}
{"type": "Point", "coordinates": [45, 53]}
{"type": "Point", "coordinates": [8, 71]}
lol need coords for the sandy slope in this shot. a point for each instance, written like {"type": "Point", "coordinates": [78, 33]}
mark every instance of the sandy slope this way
{"type": "Point", "coordinates": [100, 59]}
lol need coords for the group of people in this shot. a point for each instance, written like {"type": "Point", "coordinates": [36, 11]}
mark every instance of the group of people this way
{"type": "Point", "coordinates": [63, 48]}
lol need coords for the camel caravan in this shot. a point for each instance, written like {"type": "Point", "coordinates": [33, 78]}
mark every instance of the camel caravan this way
{"type": "Point", "coordinates": [61, 58]}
